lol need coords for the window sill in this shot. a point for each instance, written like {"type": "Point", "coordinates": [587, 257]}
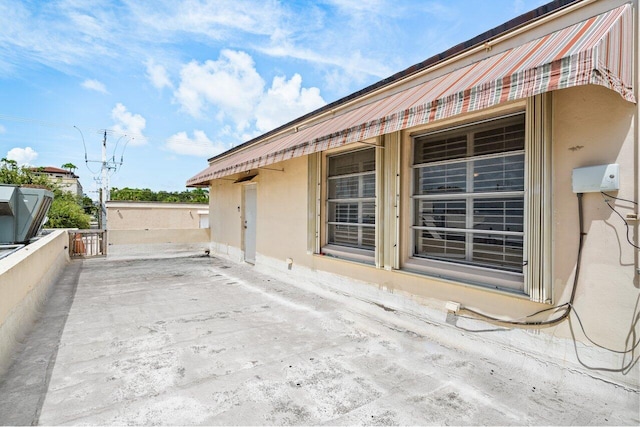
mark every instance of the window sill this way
{"type": "Point", "coordinates": [498, 281]}
{"type": "Point", "coordinates": [360, 256]}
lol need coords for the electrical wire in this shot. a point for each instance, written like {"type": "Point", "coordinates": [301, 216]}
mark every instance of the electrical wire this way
{"type": "Point", "coordinates": [567, 306]}
{"type": "Point", "coordinates": [630, 350]}
{"type": "Point", "coordinates": [618, 198]}
{"type": "Point", "coordinates": [86, 162]}
{"type": "Point", "coordinates": [626, 224]}
{"type": "Point", "coordinates": [625, 369]}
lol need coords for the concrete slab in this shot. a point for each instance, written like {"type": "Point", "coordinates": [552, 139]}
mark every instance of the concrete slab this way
{"type": "Point", "coordinates": [198, 340]}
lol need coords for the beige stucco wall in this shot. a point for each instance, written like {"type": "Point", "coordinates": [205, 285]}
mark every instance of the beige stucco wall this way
{"type": "Point", "coordinates": [145, 237]}
{"type": "Point", "coordinates": [225, 217]}
{"type": "Point", "coordinates": [284, 222]}
{"type": "Point", "coordinates": [153, 216]}
{"type": "Point", "coordinates": [25, 278]}
{"type": "Point", "coordinates": [594, 126]}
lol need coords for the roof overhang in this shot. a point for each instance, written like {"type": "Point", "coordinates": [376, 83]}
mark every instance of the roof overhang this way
{"type": "Point", "coordinates": [598, 51]}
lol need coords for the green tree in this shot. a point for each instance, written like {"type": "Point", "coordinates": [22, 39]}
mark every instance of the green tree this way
{"type": "Point", "coordinates": [197, 195]}
{"type": "Point", "coordinates": [90, 207]}
{"type": "Point", "coordinates": [65, 212]}
{"type": "Point", "coordinates": [70, 167]}
{"type": "Point", "coordinates": [11, 173]}
{"type": "Point", "coordinates": [66, 209]}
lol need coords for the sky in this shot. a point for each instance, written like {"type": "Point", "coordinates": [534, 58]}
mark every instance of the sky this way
{"type": "Point", "coordinates": [174, 83]}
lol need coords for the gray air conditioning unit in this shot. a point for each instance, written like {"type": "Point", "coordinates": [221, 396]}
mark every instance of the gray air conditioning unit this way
{"type": "Point", "coordinates": [22, 212]}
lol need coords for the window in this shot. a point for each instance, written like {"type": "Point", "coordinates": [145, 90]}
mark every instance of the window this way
{"type": "Point", "coordinates": [351, 200]}
{"type": "Point", "coordinates": [468, 197]}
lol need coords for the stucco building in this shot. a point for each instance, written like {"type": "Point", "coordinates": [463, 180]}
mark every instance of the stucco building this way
{"type": "Point", "coordinates": [67, 180]}
{"type": "Point", "coordinates": [450, 183]}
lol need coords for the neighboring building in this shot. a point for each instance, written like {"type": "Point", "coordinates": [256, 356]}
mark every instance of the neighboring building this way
{"type": "Point", "coordinates": [451, 183]}
{"type": "Point", "coordinates": [67, 180]}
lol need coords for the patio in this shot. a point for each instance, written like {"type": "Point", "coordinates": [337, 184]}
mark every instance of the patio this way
{"type": "Point", "coordinates": [198, 340]}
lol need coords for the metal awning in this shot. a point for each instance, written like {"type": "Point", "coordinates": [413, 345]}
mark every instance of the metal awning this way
{"type": "Point", "coordinates": [596, 51]}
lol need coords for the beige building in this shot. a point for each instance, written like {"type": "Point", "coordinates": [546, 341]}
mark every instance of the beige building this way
{"type": "Point", "coordinates": [459, 184]}
{"type": "Point", "coordinates": [67, 180]}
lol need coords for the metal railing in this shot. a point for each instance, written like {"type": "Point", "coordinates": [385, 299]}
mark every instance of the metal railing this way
{"type": "Point", "coordinates": [87, 243]}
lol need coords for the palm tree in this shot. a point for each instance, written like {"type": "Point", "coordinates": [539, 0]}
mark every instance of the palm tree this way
{"type": "Point", "coordinates": [70, 167]}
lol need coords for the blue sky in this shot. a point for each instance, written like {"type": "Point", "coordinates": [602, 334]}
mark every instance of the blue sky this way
{"type": "Point", "coordinates": [174, 83]}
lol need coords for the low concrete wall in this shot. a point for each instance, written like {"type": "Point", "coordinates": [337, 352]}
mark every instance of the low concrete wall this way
{"type": "Point", "coordinates": [145, 237]}
{"type": "Point", "coordinates": [154, 215]}
{"type": "Point", "coordinates": [25, 279]}
{"type": "Point", "coordinates": [125, 244]}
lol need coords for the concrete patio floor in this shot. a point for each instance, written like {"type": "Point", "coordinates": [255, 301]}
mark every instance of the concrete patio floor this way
{"type": "Point", "coordinates": [199, 340]}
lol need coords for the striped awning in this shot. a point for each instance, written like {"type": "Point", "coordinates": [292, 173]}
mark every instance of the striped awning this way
{"type": "Point", "coordinates": [596, 51]}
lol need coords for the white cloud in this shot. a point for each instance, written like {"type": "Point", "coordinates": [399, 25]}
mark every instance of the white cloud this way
{"type": "Point", "coordinates": [232, 90]}
{"type": "Point", "coordinates": [129, 124]}
{"type": "Point", "coordinates": [23, 156]}
{"type": "Point", "coordinates": [214, 18]}
{"type": "Point", "coordinates": [158, 75]}
{"type": "Point", "coordinates": [285, 101]}
{"type": "Point", "coordinates": [231, 84]}
{"type": "Point", "coordinates": [200, 145]}
{"type": "Point", "coordinates": [94, 85]}
{"type": "Point", "coordinates": [2, 129]}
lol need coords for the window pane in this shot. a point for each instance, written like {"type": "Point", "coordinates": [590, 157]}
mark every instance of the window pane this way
{"type": "Point", "coordinates": [368, 213]}
{"type": "Point", "coordinates": [502, 252]}
{"type": "Point", "coordinates": [508, 137]}
{"type": "Point", "coordinates": [444, 245]}
{"type": "Point", "coordinates": [472, 187]}
{"type": "Point", "coordinates": [368, 185]}
{"type": "Point", "coordinates": [441, 213]}
{"type": "Point", "coordinates": [368, 238]}
{"type": "Point", "coordinates": [343, 235]}
{"type": "Point", "coordinates": [343, 212]}
{"type": "Point", "coordinates": [498, 214]}
{"type": "Point", "coordinates": [352, 162]}
{"type": "Point", "coordinates": [344, 188]}
{"type": "Point", "coordinates": [352, 236]}
{"type": "Point", "coordinates": [351, 199]}
{"type": "Point", "coordinates": [432, 149]}
{"type": "Point", "coordinates": [444, 178]}
{"type": "Point", "coordinates": [499, 174]}
{"type": "Point", "coordinates": [352, 187]}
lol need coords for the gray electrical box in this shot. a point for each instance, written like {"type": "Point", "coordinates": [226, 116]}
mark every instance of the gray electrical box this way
{"type": "Point", "coordinates": [596, 178]}
{"type": "Point", "coordinates": [22, 212]}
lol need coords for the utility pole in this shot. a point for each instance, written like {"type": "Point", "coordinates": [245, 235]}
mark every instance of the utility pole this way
{"type": "Point", "coordinates": [104, 194]}
{"type": "Point", "coordinates": [107, 165]}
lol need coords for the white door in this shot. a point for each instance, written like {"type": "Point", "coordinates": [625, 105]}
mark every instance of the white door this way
{"type": "Point", "coordinates": [250, 206]}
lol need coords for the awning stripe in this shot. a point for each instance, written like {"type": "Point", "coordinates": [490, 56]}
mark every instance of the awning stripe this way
{"type": "Point", "coordinates": [597, 51]}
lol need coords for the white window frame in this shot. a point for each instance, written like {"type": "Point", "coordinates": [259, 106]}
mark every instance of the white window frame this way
{"type": "Point", "coordinates": [345, 251]}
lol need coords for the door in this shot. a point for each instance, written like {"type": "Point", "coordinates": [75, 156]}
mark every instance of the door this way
{"type": "Point", "coordinates": [250, 205]}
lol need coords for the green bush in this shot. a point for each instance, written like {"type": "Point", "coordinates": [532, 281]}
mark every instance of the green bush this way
{"type": "Point", "coordinates": [65, 212]}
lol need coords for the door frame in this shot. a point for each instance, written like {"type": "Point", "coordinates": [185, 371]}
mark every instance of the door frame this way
{"type": "Point", "coordinates": [249, 222]}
